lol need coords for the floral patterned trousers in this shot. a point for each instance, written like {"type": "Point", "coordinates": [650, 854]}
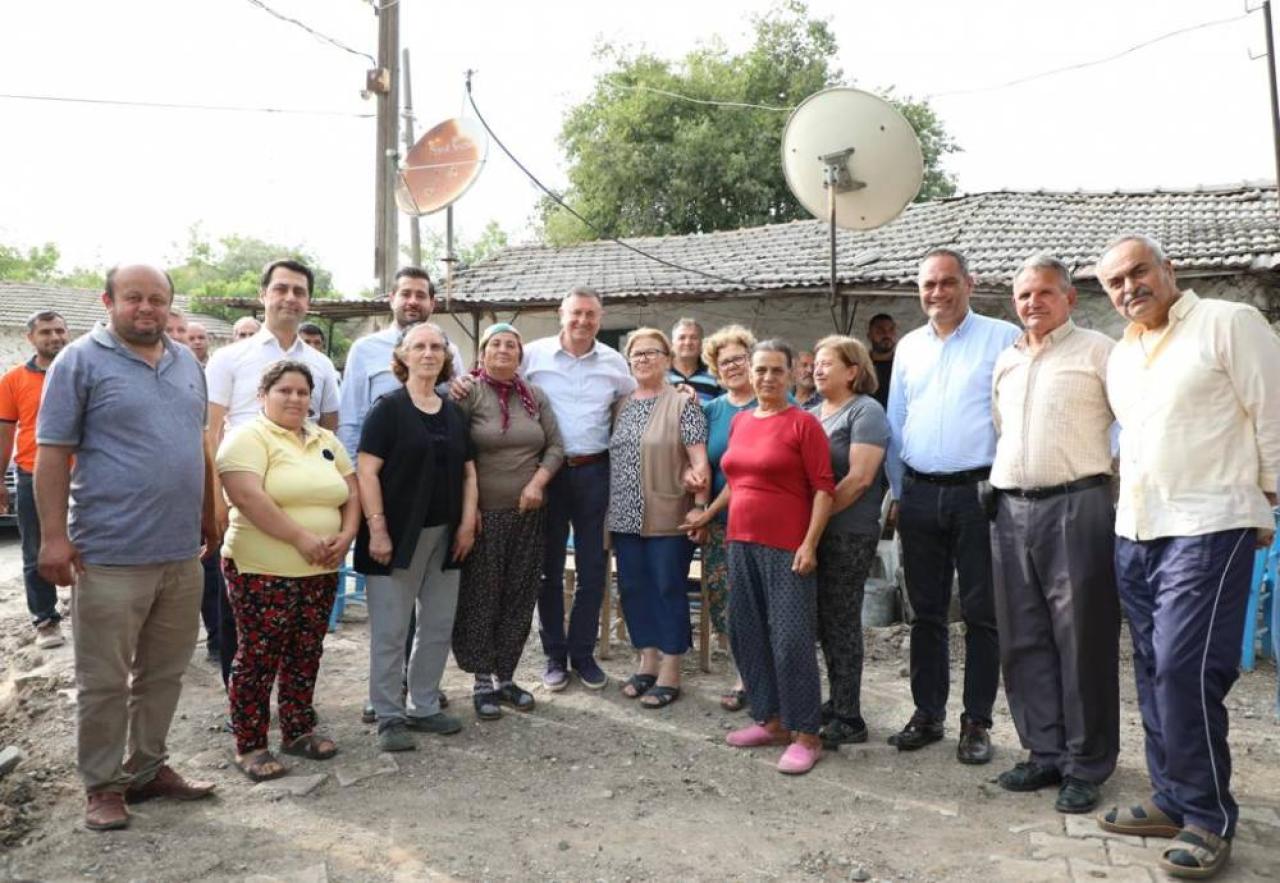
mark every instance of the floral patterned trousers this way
{"type": "Point", "coordinates": [280, 623]}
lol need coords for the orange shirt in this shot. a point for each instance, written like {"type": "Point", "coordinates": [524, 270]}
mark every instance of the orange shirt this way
{"type": "Point", "coordinates": [20, 392]}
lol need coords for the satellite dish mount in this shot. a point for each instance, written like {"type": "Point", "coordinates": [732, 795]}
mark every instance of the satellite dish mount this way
{"type": "Point", "coordinates": [837, 179]}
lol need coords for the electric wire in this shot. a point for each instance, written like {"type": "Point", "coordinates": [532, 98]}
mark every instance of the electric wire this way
{"type": "Point", "coordinates": [640, 87]}
{"type": "Point", "coordinates": [555, 197]}
{"type": "Point", "coordinates": [313, 32]}
{"type": "Point", "coordinates": [171, 105]}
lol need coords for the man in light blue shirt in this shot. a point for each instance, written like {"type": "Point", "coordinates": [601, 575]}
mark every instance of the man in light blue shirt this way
{"type": "Point", "coordinates": [583, 378]}
{"type": "Point", "coordinates": [941, 446]}
{"type": "Point", "coordinates": [367, 375]}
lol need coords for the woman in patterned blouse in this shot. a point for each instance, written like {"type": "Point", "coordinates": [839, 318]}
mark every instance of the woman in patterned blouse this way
{"type": "Point", "coordinates": [657, 471]}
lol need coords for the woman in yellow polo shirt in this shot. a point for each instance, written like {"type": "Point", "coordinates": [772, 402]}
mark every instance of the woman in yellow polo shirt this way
{"type": "Point", "coordinates": [294, 512]}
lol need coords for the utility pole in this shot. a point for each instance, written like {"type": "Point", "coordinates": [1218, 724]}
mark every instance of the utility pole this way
{"type": "Point", "coordinates": [385, 82]}
{"type": "Point", "coordinates": [1271, 82]}
{"type": "Point", "coordinates": [415, 231]}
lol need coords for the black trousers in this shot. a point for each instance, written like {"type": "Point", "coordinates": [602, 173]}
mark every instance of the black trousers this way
{"type": "Point", "coordinates": [1059, 619]}
{"type": "Point", "coordinates": [945, 532]}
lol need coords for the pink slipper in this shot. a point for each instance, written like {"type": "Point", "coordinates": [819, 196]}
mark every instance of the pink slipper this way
{"type": "Point", "coordinates": [798, 759]}
{"type": "Point", "coordinates": [754, 736]}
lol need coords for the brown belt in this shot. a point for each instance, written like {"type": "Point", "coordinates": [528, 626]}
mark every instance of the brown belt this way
{"type": "Point", "coordinates": [586, 459]}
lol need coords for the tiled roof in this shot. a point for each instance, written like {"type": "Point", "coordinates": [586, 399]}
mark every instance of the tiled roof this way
{"type": "Point", "coordinates": [81, 307]}
{"type": "Point", "coordinates": [1218, 231]}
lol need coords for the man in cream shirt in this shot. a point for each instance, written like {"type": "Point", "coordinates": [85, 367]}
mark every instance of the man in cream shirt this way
{"type": "Point", "coordinates": [1195, 385]}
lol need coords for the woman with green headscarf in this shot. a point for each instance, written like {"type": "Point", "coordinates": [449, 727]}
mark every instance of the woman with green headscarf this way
{"type": "Point", "coordinates": [518, 450]}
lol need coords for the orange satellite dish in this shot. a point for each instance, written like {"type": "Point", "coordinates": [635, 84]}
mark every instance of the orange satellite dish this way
{"type": "Point", "coordinates": [440, 167]}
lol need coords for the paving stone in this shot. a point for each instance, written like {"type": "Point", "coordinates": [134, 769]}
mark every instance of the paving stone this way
{"type": "Point", "coordinates": [348, 776]}
{"type": "Point", "coordinates": [1052, 846]}
{"type": "Point", "coordinates": [10, 757]}
{"type": "Point", "coordinates": [291, 786]}
{"type": "Point", "coordinates": [1021, 870]}
{"type": "Point", "coordinates": [311, 874]}
{"type": "Point", "coordinates": [1264, 814]}
{"type": "Point", "coordinates": [1086, 872]}
{"type": "Point", "coordinates": [1087, 826]}
{"type": "Point", "coordinates": [1128, 854]}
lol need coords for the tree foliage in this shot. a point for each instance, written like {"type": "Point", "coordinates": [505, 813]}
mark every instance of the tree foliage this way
{"type": "Point", "coordinates": [468, 252]}
{"type": "Point", "coordinates": [40, 264]}
{"type": "Point", "coordinates": [644, 162]}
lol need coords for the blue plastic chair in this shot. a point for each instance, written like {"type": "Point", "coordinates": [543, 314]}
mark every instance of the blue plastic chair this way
{"type": "Point", "coordinates": [1262, 599]}
{"type": "Point", "coordinates": [343, 596]}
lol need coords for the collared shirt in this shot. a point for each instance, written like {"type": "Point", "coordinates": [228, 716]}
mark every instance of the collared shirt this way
{"type": "Point", "coordinates": [138, 436]}
{"type": "Point", "coordinates": [305, 478]}
{"type": "Point", "coordinates": [367, 377]}
{"type": "Point", "coordinates": [1051, 410]}
{"type": "Point", "coordinates": [20, 403]}
{"type": "Point", "coordinates": [1199, 412]}
{"type": "Point", "coordinates": [582, 390]}
{"type": "Point", "coordinates": [811, 402]}
{"type": "Point", "coordinates": [701, 380]}
{"type": "Point", "coordinates": [234, 372]}
{"type": "Point", "coordinates": [940, 398]}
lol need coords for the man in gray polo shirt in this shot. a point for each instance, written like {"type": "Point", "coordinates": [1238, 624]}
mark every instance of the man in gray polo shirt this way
{"type": "Point", "coordinates": [128, 404]}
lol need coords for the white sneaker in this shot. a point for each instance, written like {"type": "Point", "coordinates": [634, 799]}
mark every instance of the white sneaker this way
{"type": "Point", "coordinates": [49, 635]}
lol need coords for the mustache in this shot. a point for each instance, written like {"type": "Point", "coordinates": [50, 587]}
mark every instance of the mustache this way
{"type": "Point", "coordinates": [1140, 291]}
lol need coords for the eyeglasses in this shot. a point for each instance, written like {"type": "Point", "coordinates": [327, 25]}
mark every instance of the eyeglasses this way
{"type": "Point", "coordinates": [732, 361]}
{"type": "Point", "coordinates": [646, 355]}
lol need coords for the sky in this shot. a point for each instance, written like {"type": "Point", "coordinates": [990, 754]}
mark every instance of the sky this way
{"type": "Point", "coordinates": [109, 183]}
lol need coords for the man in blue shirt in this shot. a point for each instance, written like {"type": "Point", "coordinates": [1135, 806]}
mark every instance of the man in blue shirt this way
{"type": "Point", "coordinates": [686, 361]}
{"type": "Point", "coordinates": [942, 444]}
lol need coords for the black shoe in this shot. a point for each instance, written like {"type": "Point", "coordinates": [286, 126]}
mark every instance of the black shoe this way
{"type": "Point", "coordinates": [1076, 796]}
{"type": "Point", "coordinates": [975, 743]}
{"type": "Point", "coordinates": [1029, 776]}
{"type": "Point", "coordinates": [590, 673]}
{"type": "Point", "coordinates": [486, 704]}
{"type": "Point", "coordinates": [843, 732]}
{"type": "Point", "coordinates": [516, 697]}
{"type": "Point", "coordinates": [919, 732]}
{"type": "Point", "coordinates": [367, 714]}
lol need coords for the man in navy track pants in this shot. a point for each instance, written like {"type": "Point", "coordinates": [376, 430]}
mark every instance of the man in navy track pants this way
{"type": "Point", "coordinates": [1195, 386]}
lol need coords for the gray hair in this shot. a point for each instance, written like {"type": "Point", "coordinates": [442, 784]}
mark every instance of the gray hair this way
{"type": "Point", "coordinates": [942, 252]}
{"type": "Point", "coordinates": [776, 345]}
{"type": "Point", "coordinates": [1156, 249]}
{"type": "Point", "coordinates": [1046, 261]}
{"type": "Point", "coordinates": [684, 321]}
{"type": "Point", "coordinates": [43, 316]}
{"type": "Point", "coordinates": [582, 291]}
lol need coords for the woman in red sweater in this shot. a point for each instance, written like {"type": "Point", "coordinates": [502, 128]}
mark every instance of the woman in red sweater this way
{"type": "Point", "coordinates": [779, 493]}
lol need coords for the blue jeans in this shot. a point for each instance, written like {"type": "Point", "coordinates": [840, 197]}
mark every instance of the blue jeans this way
{"type": "Point", "coordinates": [578, 495]}
{"type": "Point", "coordinates": [42, 597]}
{"type": "Point", "coordinates": [1185, 599]}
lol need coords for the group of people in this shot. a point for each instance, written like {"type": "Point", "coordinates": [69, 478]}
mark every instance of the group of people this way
{"type": "Point", "coordinates": [463, 490]}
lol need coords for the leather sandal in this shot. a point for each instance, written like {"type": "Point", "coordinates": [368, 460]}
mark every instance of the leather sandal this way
{"type": "Point", "coordinates": [1195, 854]}
{"type": "Point", "coordinates": [1143, 820]}
{"type": "Point", "coordinates": [258, 766]}
{"type": "Point", "coordinates": [310, 746]}
{"type": "Point", "coordinates": [734, 700]}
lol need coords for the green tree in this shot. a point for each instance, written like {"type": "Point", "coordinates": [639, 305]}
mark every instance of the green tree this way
{"type": "Point", "coordinates": [468, 252]}
{"type": "Point", "coordinates": [38, 264]}
{"type": "Point", "coordinates": [644, 162]}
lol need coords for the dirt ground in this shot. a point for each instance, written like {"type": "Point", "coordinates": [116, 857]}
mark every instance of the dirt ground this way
{"type": "Point", "coordinates": [587, 787]}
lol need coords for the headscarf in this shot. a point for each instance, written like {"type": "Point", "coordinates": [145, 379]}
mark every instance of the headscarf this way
{"type": "Point", "coordinates": [504, 388]}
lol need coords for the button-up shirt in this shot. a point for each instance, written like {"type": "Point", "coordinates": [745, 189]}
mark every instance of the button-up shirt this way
{"type": "Point", "coordinates": [582, 390]}
{"type": "Point", "coordinates": [1051, 410]}
{"type": "Point", "coordinates": [234, 373]}
{"type": "Point", "coordinates": [1199, 412]}
{"type": "Point", "coordinates": [940, 398]}
{"type": "Point", "coordinates": [367, 377]}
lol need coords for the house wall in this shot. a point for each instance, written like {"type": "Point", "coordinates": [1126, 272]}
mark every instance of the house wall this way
{"type": "Point", "coordinates": [14, 347]}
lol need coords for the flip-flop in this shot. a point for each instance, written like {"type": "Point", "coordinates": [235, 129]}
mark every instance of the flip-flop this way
{"type": "Point", "coordinates": [663, 694]}
{"type": "Point", "coordinates": [253, 766]}
{"type": "Point", "coordinates": [1195, 853]}
{"type": "Point", "coordinates": [308, 746]}
{"type": "Point", "coordinates": [640, 683]}
{"type": "Point", "coordinates": [1143, 820]}
{"type": "Point", "coordinates": [734, 700]}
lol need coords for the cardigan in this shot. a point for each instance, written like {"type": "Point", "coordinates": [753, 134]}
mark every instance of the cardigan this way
{"type": "Point", "coordinates": [395, 432]}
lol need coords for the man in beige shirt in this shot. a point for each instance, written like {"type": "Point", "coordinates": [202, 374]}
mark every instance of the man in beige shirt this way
{"type": "Point", "coordinates": [1195, 385]}
{"type": "Point", "coordinates": [1052, 542]}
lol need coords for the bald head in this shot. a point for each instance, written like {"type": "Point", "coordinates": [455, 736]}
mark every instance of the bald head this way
{"type": "Point", "coordinates": [198, 340]}
{"type": "Point", "coordinates": [245, 326]}
{"type": "Point", "coordinates": [138, 298]}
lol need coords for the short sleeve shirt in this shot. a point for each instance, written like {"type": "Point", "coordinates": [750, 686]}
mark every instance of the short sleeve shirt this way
{"type": "Point", "coordinates": [138, 435]}
{"type": "Point", "coordinates": [19, 403]}
{"type": "Point", "coordinates": [860, 422]}
{"type": "Point", "coordinates": [626, 492]}
{"type": "Point", "coordinates": [307, 480]}
{"type": "Point", "coordinates": [234, 372]}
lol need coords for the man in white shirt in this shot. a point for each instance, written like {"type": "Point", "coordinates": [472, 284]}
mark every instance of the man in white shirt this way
{"type": "Point", "coordinates": [233, 374]}
{"type": "Point", "coordinates": [1195, 386]}
{"type": "Point", "coordinates": [583, 378]}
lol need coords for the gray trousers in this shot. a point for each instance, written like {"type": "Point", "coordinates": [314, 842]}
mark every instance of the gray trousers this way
{"type": "Point", "coordinates": [434, 594]}
{"type": "Point", "coordinates": [1059, 620]}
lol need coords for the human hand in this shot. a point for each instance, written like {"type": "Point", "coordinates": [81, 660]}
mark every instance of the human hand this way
{"type": "Point", "coordinates": [311, 547]}
{"type": "Point", "coordinates": [695, 519]}
{"type": "Point", "coordinates": [805, 560]}
{"type": "Point", "coordinates": [379, 545]}
{"type": "Point", "coordinates": [59, 561]}
{"type": "Point", "coordinates": [695, 478]}
{"type": "Point", "coordinates": [4, 498]}
{"type": "Point", "coordinates": [697, 535]}
{"type": "Point", "coordinates": [531, 497]}
{"type": "Point", "coordinates": [337, 546]}
{"type": "Point", "coordinates": [891, 518]}
{"type": "Point", "coordinates": [460, 387]}
{"type": "Point", "coordinates": [464, 539]}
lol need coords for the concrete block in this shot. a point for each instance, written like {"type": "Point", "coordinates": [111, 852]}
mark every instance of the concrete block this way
{"type": "Point", "coordinates": [1021, 870]}
{"type": "Point", "coordinates": [290, 786]}
{"type": "Point", "coordinates": [1087, 826]}
{"type": "Point", "coordinates": [1086, 872]}
{"type": "Point", "coordinates": [10, 757]}
{"type": "Point", "coordinates": [1052, 846]}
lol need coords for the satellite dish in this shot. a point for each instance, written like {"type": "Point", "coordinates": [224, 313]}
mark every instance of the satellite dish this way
{"type": "Point", "coordinates": [863, 145]}
{"type": "Point", "coordinates": [440, 167]}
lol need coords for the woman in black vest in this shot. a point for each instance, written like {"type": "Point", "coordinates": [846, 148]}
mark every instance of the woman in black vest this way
{"type": "Point", "coordinates": [417, 479]}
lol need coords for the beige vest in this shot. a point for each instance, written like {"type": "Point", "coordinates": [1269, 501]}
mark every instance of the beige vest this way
{"type": "Point", "coordinates": [663, 460]}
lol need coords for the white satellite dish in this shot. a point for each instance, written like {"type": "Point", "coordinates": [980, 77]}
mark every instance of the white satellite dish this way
{"type": "Point", "coordinates": [861, 141]}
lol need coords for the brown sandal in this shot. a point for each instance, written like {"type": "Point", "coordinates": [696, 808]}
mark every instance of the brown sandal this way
{"type": "Point", "coordinates": [255, 766]}
{"type": "Point", "coordinates": [1144, 820]}
{"type": "Point", "coordinates": [1195, 853]}
{"type": "Point", "coordinates": [310, 746]}
{"type": "Point", "coordinates": [734, 700]}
